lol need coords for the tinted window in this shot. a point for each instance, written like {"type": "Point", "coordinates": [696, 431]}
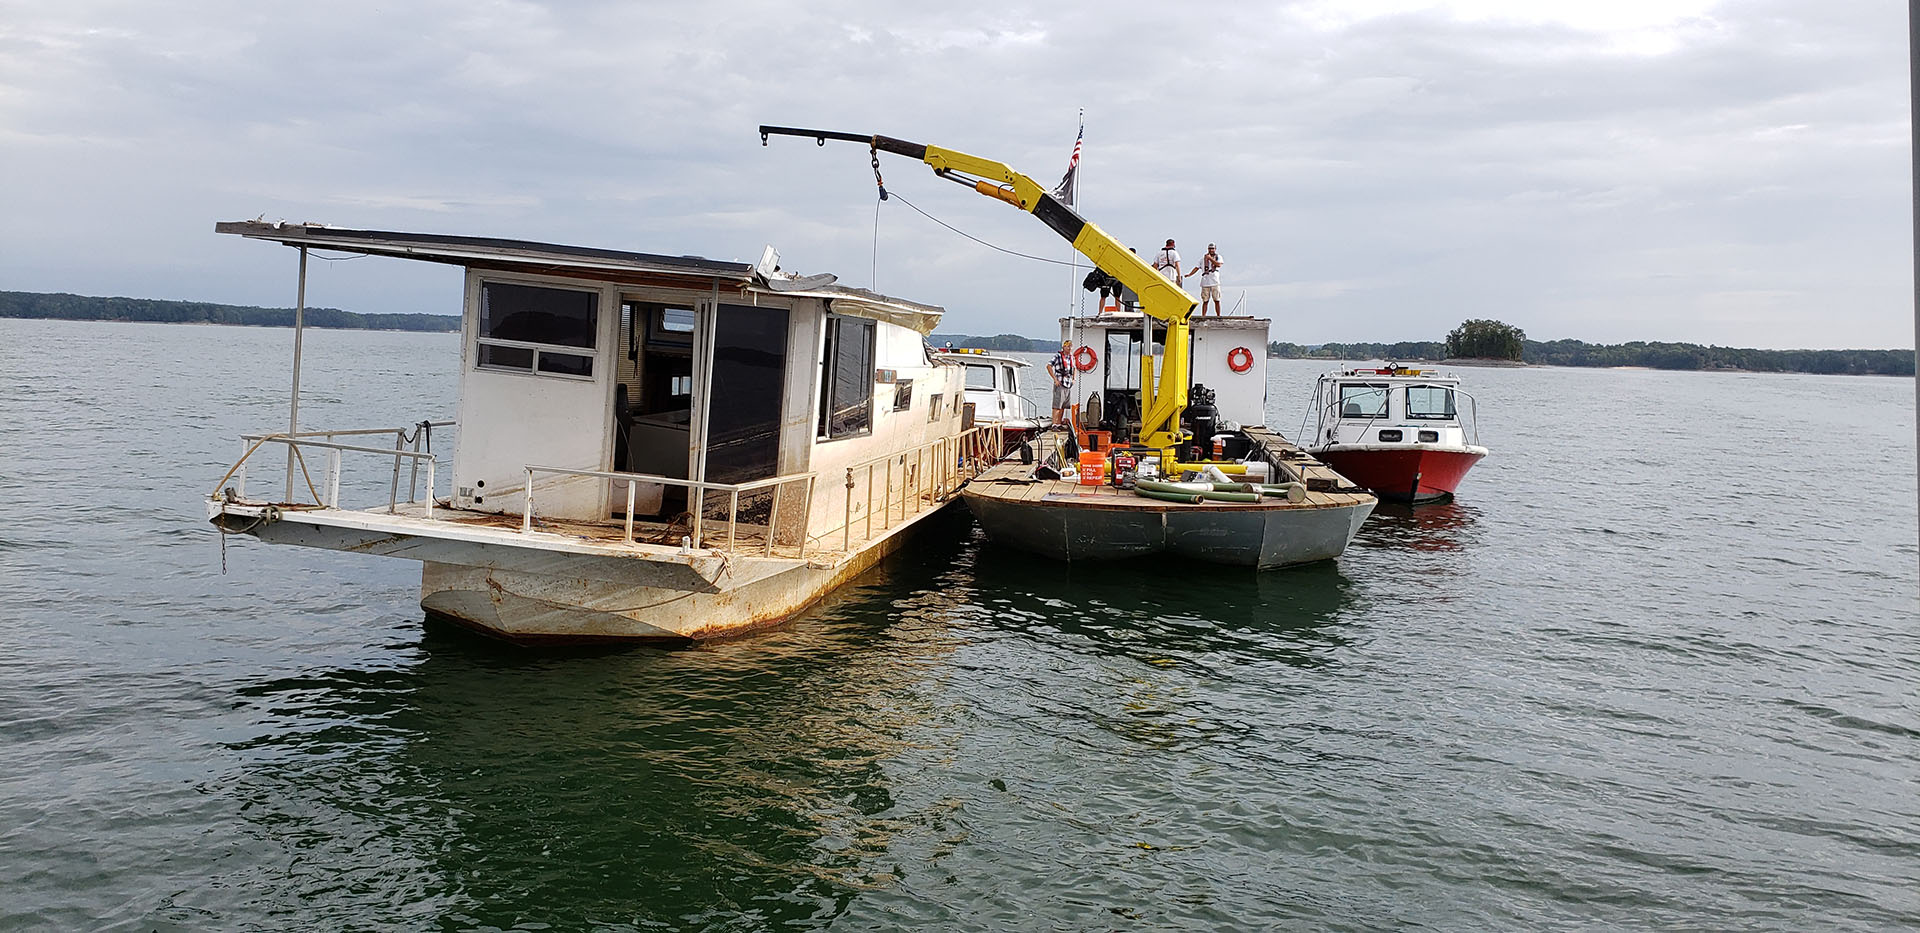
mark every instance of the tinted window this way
{"type": "Point", "coordinates": [532, 314]}
{"type": "Point", "coordinates": [513, 357]}
{"type": "Point", "coordinates": [846, 391]}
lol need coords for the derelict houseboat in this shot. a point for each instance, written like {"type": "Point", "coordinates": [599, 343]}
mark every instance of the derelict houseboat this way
{"type": "Point", "coordinates": [647, 447]}
{"type": "Point", "coordinates": [1397, 431]}
{"type": "Point", "coordinates": [1287, 508]}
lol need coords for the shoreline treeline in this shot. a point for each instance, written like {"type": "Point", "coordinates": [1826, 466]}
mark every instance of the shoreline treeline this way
{"type": "Point", "coordinates": [66, 307]}
{"type": "Point", "coordinates": [1652, 355]}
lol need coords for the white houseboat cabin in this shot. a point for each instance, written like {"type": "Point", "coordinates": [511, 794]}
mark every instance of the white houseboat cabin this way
{"type": "Point", "coordinates": [647, 446]}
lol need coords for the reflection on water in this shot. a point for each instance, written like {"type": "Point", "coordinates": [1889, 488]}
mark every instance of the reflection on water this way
{"type": "Point", "coordinates": [1440, 526]}
{"type": "Point", "coordinates": [1519, 712]}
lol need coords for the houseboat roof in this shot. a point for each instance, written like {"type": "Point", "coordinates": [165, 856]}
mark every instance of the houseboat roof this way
{"type": "Point", "coordinates": [586, 262]}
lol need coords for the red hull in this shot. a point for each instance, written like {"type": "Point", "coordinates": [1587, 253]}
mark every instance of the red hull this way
{"type": "Point", "coordinates": [1410, 474]}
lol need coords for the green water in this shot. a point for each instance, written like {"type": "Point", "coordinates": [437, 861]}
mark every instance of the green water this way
{"type": "Point", "coordinates": [1655, 670]}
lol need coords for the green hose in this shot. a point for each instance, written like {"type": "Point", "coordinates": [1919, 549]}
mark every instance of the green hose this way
{"type": "Point", "coordinates": [1158, 486]}
{"type": "Point", "coordinates": [1190, 498]}
{"type": "Point", "coordinates": [1230, 496]}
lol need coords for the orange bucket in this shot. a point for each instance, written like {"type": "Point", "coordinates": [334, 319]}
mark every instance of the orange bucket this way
{"type": "Point", "coordinates": [1093, 468]}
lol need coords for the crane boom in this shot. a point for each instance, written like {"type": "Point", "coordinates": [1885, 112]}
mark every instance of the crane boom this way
{"type": "Point", "coordinates": [1163, 400]}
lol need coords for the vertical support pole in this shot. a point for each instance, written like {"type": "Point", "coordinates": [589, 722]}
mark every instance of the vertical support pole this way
{"type": "Point", "coordinates": [773, 516]}
{"type": "Point", "coordinates": [806, 518]}
{"type": "Point", "coordinates": [846, 523]}
{"type": "Point", "coordinates": [393, 491]}
{"type": "Point", "coordinates": [629, 511]}
{"type": "Point", "coordinates": [870, 502]}
{"type": "Point", "coordinates": [240, 473]}
{"type": "Point", "coordinates": [430, 466]}
{"type": "Point", "coordinates": [333, 479]}
{"type": "Point", "coordinates": [299, 331]}
{"type": "Point", "coordinates": [886, 498]}
{"type": "Point", "coordinates": [526, 509]}
{"type": "Point", "coordinates": [733, 518]}
{"type": "Point", "coordinates": [413, 481]}
{"type": "Point", "coordinates": [697, 496]}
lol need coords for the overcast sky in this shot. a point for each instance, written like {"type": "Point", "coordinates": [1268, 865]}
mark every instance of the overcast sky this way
{"type": "Point", "coordinates": [1732, 173]}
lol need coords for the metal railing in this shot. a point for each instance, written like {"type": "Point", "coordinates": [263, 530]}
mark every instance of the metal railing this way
{"type": "Point", "coordinates": [697, 493]}
{"type": "Point", "coordinates": [1328, 413]}
{"type": "Point", "coordinates": [915, 479]}
{"type": "Point", "coordinates": [418, 435]}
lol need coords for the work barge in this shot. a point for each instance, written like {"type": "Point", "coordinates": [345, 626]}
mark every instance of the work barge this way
{"type": "Point", "coordinates": [646, 447]}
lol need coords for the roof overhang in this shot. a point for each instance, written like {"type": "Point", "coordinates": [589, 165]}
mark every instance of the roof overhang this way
{"type": "Point", "coordinates": [490, 252]}
{"type": "Point", "coordinates": [584, 262]}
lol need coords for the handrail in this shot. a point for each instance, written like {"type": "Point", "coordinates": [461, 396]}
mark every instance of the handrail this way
{"type": "Point", "coordinates": [324, 440]}
{"type": "Point", "coordinates": [698, 488]}
{"type": "Point", "coordinates": [1329, 411]}
{"type": "Point", "coordinates": [955, 459]}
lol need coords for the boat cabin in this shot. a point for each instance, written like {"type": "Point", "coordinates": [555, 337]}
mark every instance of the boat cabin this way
{"type": "Point", "coordinates": [1391, 405]}
{"type": "Point", "coordinates": [576, 362]}
{"type": "Point", "coordinates": [993, 388]}
{"type": "Point", "coordinates": [1228, 357]}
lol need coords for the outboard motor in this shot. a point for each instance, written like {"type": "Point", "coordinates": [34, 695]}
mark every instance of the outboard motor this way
{"type": "Point", "coordinates": [1203, 419]}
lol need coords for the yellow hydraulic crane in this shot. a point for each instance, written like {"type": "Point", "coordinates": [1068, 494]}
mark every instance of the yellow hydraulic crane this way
{"type": "Point", "coordinates": [1162, 400]}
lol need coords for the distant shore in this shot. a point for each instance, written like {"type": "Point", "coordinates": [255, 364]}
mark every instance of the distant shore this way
{"type": "Point", "coordinates": [1632, 355]}
{"type": "Point", "coordinates": [60, 306]}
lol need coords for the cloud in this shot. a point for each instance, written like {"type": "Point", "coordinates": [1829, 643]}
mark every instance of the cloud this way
{"type": "Point", "coordinates": [1372, 170]}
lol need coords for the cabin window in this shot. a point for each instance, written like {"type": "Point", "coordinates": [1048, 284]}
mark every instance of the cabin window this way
{"type": "Point", "coordinates": [1006, 378]}
{"type": "Point", "coordinates": [537, 329]}
{"type": "Point", "coordinates": [979, 376]}
{"type": "Point", "coordinates": [846, 384]}
{"type": "Point", "coordinates": [1429, 402]}
{"type": "Point", "coordinates": [1363, 401]}
{"type": "Point", "coordinates": [933, 406]}
{"type": "Point", "coordinates": [903, 395]}
{"type": "Point", "coordinates": [1429, 437]}
{"type": "Point", "coordinates": [1390, 436]}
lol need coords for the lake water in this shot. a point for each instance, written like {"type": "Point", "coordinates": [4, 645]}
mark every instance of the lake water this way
{"type": "Point", "coordinates": [1658, 668]}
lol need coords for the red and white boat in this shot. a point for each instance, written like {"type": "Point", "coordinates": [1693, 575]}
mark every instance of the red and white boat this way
{"type": "Point", "coordinates": [1396, 431]}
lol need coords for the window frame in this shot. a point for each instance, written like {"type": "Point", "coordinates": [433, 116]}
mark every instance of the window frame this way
{"type": "Point", "coordinates": [590, 353]}
{"type": "Point", "coordinates": [1384, 390]}
{"type": "Point", "coordinates": [1453, 415]}
{"type": "Point", "coordinates": [829, 363]}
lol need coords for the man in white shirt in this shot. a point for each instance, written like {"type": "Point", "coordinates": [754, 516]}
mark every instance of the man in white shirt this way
{"type": "Point", "coordinates": [1209, 269]}
{"type": "Point", "coordinates": [1168, 264]}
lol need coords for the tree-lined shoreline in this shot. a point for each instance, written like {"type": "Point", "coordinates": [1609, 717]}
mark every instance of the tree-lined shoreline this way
{"type": "Point", "coordinates": [62, 306]}
{"type": "Point", "coordinates": [1644, 354]}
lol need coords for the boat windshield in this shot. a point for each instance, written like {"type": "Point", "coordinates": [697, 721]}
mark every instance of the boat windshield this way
{"type": "Point", "coordinates": [1363, 401]}
{"type": "Point", "coordinates": [1430, 402]}
{"type": "Point", "coordinates": [980, 376]}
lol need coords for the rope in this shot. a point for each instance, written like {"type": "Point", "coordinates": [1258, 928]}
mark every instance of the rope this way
{"type": "Point", "coordinates": [256, 446]}
{"type": "Point", "coordinates": [896, 196]}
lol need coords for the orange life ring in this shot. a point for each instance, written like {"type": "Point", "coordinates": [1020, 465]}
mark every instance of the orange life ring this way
{"type": "Point", "coordinates": [1239, 359]}
{"type": "Point", "coordinates": [1084, 359]}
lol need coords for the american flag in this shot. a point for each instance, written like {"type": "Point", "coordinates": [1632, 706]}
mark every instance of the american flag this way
{"type": "Point", "coordinates": [1065, 191]}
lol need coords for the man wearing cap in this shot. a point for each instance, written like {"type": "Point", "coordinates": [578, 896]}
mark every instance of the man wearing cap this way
{"type": "Point", "coordinates": [1209, 269]}
{"type": "Point", "coordinates": [1168, 264]}
{"type": "Point", "coordinates": [1060, 368]}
